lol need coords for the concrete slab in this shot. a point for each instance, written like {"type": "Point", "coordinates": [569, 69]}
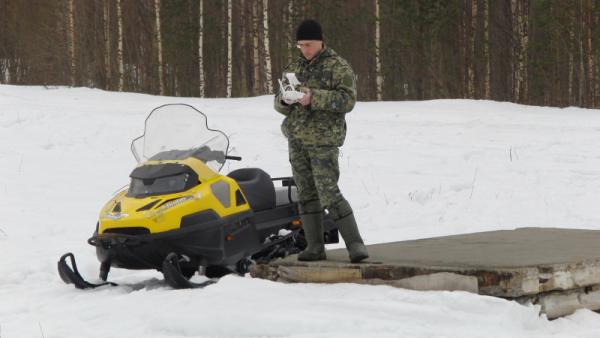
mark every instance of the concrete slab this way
{"type": "Point", "coordinates": [528, 264]}
{"type": "Point", "coordinates": [561, 303]}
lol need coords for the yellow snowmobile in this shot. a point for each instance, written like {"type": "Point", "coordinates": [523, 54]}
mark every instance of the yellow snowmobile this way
{"type": "Point", "coordinates": [179, 215]}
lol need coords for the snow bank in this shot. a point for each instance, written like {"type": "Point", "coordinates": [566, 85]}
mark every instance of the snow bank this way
{"type": "Point", "coordinates": [410, 170]}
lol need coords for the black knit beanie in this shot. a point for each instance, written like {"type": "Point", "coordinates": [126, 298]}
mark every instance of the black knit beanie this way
{"type": "Point", "coordinates": [309, 30]}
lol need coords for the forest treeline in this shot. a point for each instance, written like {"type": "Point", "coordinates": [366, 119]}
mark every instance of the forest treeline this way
{"type": "Point", "coordinates": [540, 52]}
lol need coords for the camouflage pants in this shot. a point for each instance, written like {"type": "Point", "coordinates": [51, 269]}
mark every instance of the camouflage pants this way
{"type": "Point", "coordinates": [316, 172]}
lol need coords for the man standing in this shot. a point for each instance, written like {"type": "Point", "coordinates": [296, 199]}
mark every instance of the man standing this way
{"type": "Point", "coordinates": [315, 127]}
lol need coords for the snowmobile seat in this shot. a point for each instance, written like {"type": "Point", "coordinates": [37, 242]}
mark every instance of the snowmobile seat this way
{"type": "Point", "coordinates": [257, 187]}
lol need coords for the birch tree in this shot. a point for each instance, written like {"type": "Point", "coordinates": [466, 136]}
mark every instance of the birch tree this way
{"type": "Point", "coordinates": [267, 51]}
{"type": "Point", "coordinates": [200, 46]}
{"type": "Point", "coordinates": [241, 67]}
{"type": "Point", "coordinates": [379, 76]}
{"type": "Point", "coordinates": [158, 37]}
{"type": "Point", "coordinates": [256, 55]}
{"type": "Point", "coordinates": [229, 47]}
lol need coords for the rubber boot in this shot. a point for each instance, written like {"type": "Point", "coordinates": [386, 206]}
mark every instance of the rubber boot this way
{"type": "Point", "coordinates": [312, 223]}
{"type": "Point", "coordinates": [349, 231]}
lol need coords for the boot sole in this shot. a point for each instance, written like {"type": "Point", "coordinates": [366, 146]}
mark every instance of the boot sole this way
{"type": "Point", "coordinates": [358, 259]}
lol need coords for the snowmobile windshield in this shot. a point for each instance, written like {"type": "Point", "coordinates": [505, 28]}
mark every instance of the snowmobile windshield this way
{"type": "Point", "coordinates": [179, 131]}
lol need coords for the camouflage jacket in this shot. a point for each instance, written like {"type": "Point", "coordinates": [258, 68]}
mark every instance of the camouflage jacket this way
{"type": "Point", "coordinates": [333, 93]}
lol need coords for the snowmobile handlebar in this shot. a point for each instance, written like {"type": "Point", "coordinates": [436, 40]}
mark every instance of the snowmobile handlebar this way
{"type": "Point", "coordinates": [235, 158]}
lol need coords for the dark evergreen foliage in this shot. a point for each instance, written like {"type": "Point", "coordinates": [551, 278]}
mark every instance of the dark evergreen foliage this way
{"type": "Point", "coordinates": [427, 49]}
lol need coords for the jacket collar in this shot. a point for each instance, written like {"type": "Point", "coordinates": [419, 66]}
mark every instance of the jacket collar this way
{"type": "Point", "coordinates": [325, 53]}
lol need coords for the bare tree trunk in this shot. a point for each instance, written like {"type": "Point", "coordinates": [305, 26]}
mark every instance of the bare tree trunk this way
{"type": "Point", "coordinates": [554, 89]}
{"type": "Point", "coordinates": [120, 45]}
{"type": "Point", "coordinates": [514, 50]}
{"type": "Point", "coordinates": [107, 68]}
{"type": "Point", "coordinates": [290, 32]}
{"type": "Point", "coordinates": [158, 37]}
{"type": "Point", "coordinates": [229, 47]}
{"type": "Point", "coordinates": [517, 36]}
{"type": "Point", "coordinates": [521, 17]}
{"type": "Point", "coordinates": [486, 49]}
{"type": "Point", "coordinates": [597, 63]}
{"type": "Point", "coordinates": [72, 41]}
{"type": "Point", "coordinates": [267, 50]}
{"type": "Point", "coordinates": [200, 51]}
{"type": "Point", "coordinates": [471, 58]}
{"type": "Point", "coordinates": [590, 73]}
{"type": "Point", "coordinates": [571, 57]}
{"type": "Point", "coordinates": [463, 40]}
{"type": "Point", "coordinates": [524, 61]}
{"type": "Point", "coordinates": [597, 81]}
{"type": "Point", "coordinates": [240, 68]}
{"type": "Point", "coordinates": [581, 62]}
{"type": "Point", "coordinates": [256, 56]}
{"type": "Point", "coordinates": [379, 76]}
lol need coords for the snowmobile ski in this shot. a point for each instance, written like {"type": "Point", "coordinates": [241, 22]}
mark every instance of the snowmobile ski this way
{"type": "Point", "coordinates": [70, 274]}
{"type": "Point", "coordinates": [174, 276]}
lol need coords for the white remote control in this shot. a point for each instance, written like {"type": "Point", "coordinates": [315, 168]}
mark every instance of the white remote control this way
{"type": "Point", "coordinates": [289, 92]}
{"type": "Point", "coordinates": [292, 79]}
{"type": "Point", "coordinates": [292, 95]}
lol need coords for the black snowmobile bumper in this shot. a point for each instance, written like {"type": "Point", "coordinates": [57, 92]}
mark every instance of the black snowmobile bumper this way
{"type": "Point", "coordinates": [219, 242]}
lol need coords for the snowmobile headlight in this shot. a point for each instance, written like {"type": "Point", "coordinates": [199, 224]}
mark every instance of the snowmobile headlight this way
{"type": "Point", "coordinates": [115, 216]}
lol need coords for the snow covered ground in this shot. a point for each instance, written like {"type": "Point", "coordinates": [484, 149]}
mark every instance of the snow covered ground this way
{"type": "Point", "coordinates": [410, 170]}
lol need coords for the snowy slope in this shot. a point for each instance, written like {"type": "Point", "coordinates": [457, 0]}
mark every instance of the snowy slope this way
{"type": "Point", "coordinates": [410, 170]}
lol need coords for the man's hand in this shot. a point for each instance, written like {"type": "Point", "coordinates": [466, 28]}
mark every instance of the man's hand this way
{"type": "Point", "coordinates": [289, 102]}
{"type": "Point", "coordinates": [305, 100]}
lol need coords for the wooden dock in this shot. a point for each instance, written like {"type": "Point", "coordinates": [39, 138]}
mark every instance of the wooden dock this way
{"type": "Point", "coordinates": [556, 268]}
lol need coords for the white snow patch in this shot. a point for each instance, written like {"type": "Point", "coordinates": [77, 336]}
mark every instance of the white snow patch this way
{"type": "Point", "coordinates": [410, 170]}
